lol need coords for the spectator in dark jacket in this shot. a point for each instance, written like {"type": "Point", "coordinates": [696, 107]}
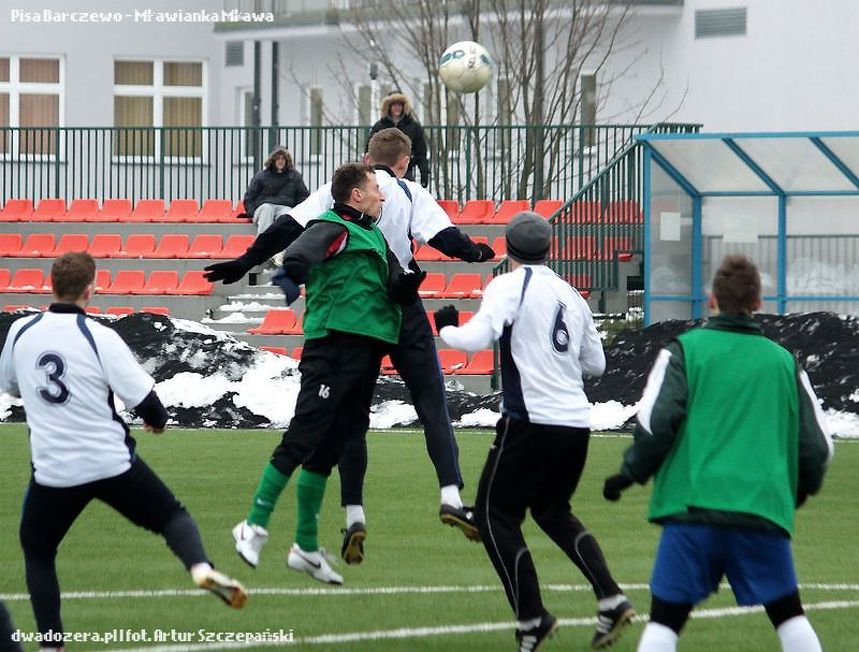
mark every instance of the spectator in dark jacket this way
{"type": "Point", "coordinates": [274, 189]}
{"type": "Point", "coordinates": [396, 111]}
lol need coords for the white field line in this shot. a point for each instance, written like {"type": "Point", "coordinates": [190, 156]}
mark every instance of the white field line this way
{"type": "Point", "coordinates": [424, 632]}
{"type": "Point", "coordinates": [382, 590]}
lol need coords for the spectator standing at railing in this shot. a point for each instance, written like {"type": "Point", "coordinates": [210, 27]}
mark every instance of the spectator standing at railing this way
{"type": "Point", "coordinates": [274, 189]}
{"type": "Point", "coordinates": [396, 110]}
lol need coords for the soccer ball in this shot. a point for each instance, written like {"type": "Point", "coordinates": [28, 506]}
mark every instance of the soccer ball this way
{"type": "Point", "coordinates": [465, 67]}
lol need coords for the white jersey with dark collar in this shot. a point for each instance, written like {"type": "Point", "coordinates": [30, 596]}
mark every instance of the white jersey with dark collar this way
{"type": "Point", "coordinates": [66, 368]}
{"type": "Point", "coordinates": [547, 340]}
{"type": "Point", "coordinates": [409, 211]}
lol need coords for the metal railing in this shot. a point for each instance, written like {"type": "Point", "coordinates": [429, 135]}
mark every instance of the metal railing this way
{"type": "Point", "coordinates": [478, 162]}
{"type": "Point", "coordinates": [601, 225]}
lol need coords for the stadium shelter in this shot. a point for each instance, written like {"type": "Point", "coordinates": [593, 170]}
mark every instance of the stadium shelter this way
{"type": "Point", "coordinates": [789, 201]}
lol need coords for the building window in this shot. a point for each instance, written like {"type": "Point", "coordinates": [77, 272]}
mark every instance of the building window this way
{"type": "Point", "coordinates": [234, 53]}
{"type": "Point", "coordinates": [31, 96]}
{"type": "Point", "coordinates": [166, 94]}
{"type": "Point", "coordinates": [710, 23]}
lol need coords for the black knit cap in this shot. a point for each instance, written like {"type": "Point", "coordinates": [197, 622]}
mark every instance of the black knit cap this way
{"type": "Point", "coordinates": [528, 237]}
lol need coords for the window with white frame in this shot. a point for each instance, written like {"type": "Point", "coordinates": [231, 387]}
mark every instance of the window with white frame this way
{"type": "Point", "coordinates": [158, 93]}
{"type": "Point", "coordinates": [31, 96]}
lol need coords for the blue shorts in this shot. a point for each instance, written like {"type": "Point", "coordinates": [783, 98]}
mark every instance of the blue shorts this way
{"type": "Point", "coordinates": [692, 559]}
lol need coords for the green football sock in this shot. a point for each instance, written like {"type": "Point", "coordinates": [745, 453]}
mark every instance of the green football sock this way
{"type": "Point", "coordinates": [309, 489]}
{"type": "Point", "coordinates": [271, 484]}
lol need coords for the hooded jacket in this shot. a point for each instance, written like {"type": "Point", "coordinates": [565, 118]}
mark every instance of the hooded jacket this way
{"type": "Point", "coordinates": [269, 186]}
{"type": "Point", "coordinates": [411, 128]}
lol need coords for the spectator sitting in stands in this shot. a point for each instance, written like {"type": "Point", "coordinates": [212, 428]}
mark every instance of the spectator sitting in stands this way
{"type": "Point", "coordinates": [274, 189]}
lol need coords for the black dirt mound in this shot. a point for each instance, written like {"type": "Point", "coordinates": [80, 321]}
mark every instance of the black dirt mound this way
{"type": "Point", "coordinates": [825, 343]}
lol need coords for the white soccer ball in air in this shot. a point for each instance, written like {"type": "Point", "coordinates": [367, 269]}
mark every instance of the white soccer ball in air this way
{"type": "Point", "coordinates": [465, 67]}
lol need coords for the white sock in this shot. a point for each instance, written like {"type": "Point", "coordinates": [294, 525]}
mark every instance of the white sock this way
{"type": "Point", "coordinates": [797, 635]}
{"type": "Point", "coordinates": [450, 496]}
{"type": "Point", "coordinates": [657, 638]}
{"type": "Point", "coordinates": [354, 514]}
{"type": "Point", "coordinates": [198, 570]}
{"type": "Point", "coordinates": [522, 625]}
{"type": "Point", "coordinates": [610, 603]}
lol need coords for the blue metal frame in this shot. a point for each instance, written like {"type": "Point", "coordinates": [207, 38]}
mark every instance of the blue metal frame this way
{"type": "Point", "coordinates": [651, 155]}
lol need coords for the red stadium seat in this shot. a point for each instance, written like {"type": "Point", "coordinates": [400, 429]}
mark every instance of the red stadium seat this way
{"type": "Point", "coordinates": [113, 210]}
{"type": "Point", "coordinates": [81, 210]}
{"type": "Point", "coordinates": [147, 210]}
{"type": "Point", "coordinates": [181, 210]}
{"type": "Point", "coordinates": [193, 283]}
{"type": "Point", "coordinates": [499, 245]}
{"type": "Point", "coordinates": [619, 246]}
{"type": "Point", "coordinates": [71, 242]}
{"type": "Point", "coordinates": [450, 206]}
{"type": "Point", "coordinates": [295, 354]}
{"type": "Point", "coordinates": [10, 243]}
{"type": "Point", "coordinates": [481, 363]}
{"type": "Point", "coordinates": [235, 246]}
{"type": "Point", "coordinates": [587, 212]}
{"type": "Point", "coordinates": [205, 246]}
{"type": "Point", "coordinates": [507, 209]}
{"type": "Point", "coordinates": [239, 214]}
{"type": "Point", "coordinates": [119, 311]}
{"type": "Point", "coordinates": [580, 281]}
{"type": "Point", "coordinates": [433, 285]}
{"type": "Point", "coordinates": [452, 361]}
{"type": "Point", "coordinates": [575, 248]}
{"type": "Point", "coordinates": [138, 245]}
{"type": "Point", "coordinates": [171, 245]}
{"type": "Point", "coordinates": [425, 253]}
{"type": "Point", "coordinates": [126, 281]}
{"type": "Point", "coordinates": [159, 282]}
{"type": "Point", "coordinates": [463, 286]}
{"type": "Point", "coordinates": [49, 210]}
{"type": "Point", "coordinates": [547, 207]}
{"type": "Point", "coordinates": [275, 322]}
{"type": "Point", "coordinates": [16, 210]}
{"type": "Point", "coordinates": [214, 210]}
{"type": "Point", "coordinates": [27, 280]}
{"type": "Point", "coordinates": [37, 245]}
{"type": "Point", "coordinates": [102, 280]}
{"type": "Point", "coordinates": [92, 310]}
{"type": "Point", "coordinates": [156, 310]}
{"type": "Point", "coordinates": [105, 245]}
{"type": "Point", "coordinates": [387, 366]}
{"type": "Point", "coordinates": [5, 278]}
{"type": "Point", "coordinates": [279, 350]}
{"type": "Point", "coordinates": [476, 211]}
{"type": "Point", "coordinates": [624, 212]}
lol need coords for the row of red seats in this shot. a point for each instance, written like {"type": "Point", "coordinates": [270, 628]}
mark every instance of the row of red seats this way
{"type": "Point", "coordinates": [137, 245]}
{"type": "Point", "coordinates": [125, 282]}
{"type": "Point", "coordinates": [484, 211]}
{"type": "Point", "coordinates": [584, 247]}
{"type": "Point", "coordinates": [471, 286]}
{"type": "Point", "coordinates": [120, 210]}
{"type": "Point", "coordinates": [119, 311]}
{"type": "Point", "coordinates": [428, 254]}
{"type": "Point", "coordinates": [451, 360]}
{"type": "Point", "coordinates": [285, 321]}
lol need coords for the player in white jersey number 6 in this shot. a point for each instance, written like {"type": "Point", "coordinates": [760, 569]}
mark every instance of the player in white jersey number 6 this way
{"type": "Point", "coordinates": [547, 341]}
{"type": "Point", "coordinates": [67, 368]}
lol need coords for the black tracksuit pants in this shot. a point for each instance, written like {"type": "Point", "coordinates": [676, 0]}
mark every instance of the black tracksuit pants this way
{"type": "Point", "coordinates": [416, 359]}
{"type": "Point", "coordinates": [535, 467]}
{"type": "Point", "coordinates": [49, 512]}
{"type": "Point", "coordinates": [338, 377]}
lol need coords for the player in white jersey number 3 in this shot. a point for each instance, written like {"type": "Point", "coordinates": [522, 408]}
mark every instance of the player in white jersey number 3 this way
{"type": "Point", "coordinates": [67, 368]}
{"type": "Point", "coordinates": [547, 341]}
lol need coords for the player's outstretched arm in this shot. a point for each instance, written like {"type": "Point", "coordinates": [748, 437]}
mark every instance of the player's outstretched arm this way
{"type": "Point", "coordinates": [153, 413]}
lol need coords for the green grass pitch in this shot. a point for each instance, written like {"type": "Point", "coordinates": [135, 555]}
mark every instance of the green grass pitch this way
{"type": "Point", "coordinates": [422, 585]}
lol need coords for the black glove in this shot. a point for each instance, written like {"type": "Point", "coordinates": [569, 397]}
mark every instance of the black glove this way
{"type": "Point", "coordinates": [404, 290]}
{"type": "Point", "coordinates": [229, 271]}
{"type": "Point", "coordinates": [447, 316]}
{"type": "Point", "coordinates": [485, 252]}
{"type": "Point", "coordinates": [614, 485]}
{"type": "Point", "coordinates": [290, 288]}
